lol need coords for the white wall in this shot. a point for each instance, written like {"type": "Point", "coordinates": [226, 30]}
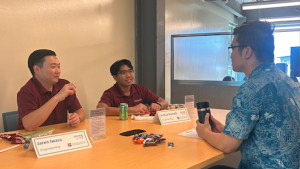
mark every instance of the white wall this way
{"type": "Point", "coordinates": [87, 36]}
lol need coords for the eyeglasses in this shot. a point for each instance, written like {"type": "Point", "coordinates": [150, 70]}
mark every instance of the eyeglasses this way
{"type": "Point", "coordinates": [124, 72]}
{"type": "Point", "coordinates": [231, 48]}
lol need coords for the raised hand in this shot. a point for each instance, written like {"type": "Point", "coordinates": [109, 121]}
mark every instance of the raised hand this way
{"type": "Point", "coordinates": [67, 90]}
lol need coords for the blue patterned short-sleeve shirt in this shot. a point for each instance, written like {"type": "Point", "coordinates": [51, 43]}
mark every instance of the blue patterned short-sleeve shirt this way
{"type": "Point", "coordinates": [265, 113]}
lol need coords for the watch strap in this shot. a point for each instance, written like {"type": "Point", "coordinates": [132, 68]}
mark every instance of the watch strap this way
{"type": "Point", "coordinates": [159, 104]}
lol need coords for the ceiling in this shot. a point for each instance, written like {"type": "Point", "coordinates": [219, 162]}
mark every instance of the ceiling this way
{"type": "Point", "coordinates": [235, 7]}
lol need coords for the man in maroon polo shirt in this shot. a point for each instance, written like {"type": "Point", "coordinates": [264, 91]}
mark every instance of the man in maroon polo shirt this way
{"type": "Point", "coordinates": [45, 98]}
{"type": "Point", "coordinates": [125, 92]}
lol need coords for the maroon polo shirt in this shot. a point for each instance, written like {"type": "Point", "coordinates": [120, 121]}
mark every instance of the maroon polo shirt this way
{"type": "Point", "coordinates": [33, 95]}
{"type": "Point", "coordinates": [138, 94]}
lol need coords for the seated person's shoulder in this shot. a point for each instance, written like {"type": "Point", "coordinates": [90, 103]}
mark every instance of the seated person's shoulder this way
{"type": "Point", "coordinates": [29, 87]}
{"type": "Point", "coordinates": [109, 92]}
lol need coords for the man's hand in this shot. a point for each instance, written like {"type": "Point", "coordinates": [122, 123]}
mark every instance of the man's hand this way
{"type": "Point", "coordinates": [67, 90]}
{"type": "Point", "coordinates": [217, 125]}
{"type": "Point", "coordinates": [154, 107]}
{"type": "Point", "coordinates": [140, 108]}
{"type": "Point", "coordinates": [74, 119]}
{"type": "Point", "coordinates": [218, 139]}
{"type": "Point", "coordinates": [203, 128]}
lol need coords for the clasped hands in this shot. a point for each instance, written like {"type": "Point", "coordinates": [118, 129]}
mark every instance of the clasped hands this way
{"type": "Point", "coordinates": [141, 108]}
{"type": "Point", "coordinates": [74, 119]}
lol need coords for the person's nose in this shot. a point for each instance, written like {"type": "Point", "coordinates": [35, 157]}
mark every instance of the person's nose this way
{"type": "Point", "coordinates": [58, 70]}
{"type": "Point", "coordinates": [127, 74]}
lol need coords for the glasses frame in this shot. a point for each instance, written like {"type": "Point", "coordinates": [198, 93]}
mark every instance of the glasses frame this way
{"type": "Point", "coordinates": [231, 48]}
{"type": "Point", "coordinates": [131, 71]}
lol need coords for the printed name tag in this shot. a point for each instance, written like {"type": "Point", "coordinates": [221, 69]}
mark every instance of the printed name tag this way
{"type": "Point", "coordinates": [172, 116]}
{"type": "Point", "coordinates": [60, 143]}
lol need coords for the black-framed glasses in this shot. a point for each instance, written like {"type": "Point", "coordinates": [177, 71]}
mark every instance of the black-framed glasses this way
{"type": "Point", "coordinates": [231, 48]}
{"type": "Point", "coordinates": [124, 72]}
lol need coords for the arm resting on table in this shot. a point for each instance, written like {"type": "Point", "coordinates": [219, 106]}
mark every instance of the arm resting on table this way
{"type": "Point", "coordinates": [80, 113]}
{"type": "Point", "coordinates": [164, 104]}
{"type": "Point", "coordinates": [223, 142]}
{"type": "Point", "coordinates": [114, 111]}
{"type": "Point", "coordinates": [217, 138]}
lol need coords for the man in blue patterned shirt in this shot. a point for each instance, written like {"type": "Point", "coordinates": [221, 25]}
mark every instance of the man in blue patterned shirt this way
{"type": "Point", "coordinates": [264, 121]}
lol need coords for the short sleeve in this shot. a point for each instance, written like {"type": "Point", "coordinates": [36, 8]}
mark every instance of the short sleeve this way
{"type": "Point", "coordinates": [27, 103]}
{"type": "Point", "coordinates": [106, 98]}
{"type": "Point", "coordinates": [149, 96]}
{"type": "Point", "coordinates": [244, 114]}
{"type": "Point", "coordinates": [73, 103]}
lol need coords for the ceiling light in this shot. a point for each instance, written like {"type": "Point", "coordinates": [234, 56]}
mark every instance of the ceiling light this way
{"type": "Point", "coordinates": [280, 19]}
{"type": "Point", "coordinates": [270, 4]}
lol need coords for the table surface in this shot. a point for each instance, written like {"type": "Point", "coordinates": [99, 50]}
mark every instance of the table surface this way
{"type": "Point", "coordinates": [121, 152]}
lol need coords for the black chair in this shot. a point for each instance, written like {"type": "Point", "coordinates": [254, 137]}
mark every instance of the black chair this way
{"type": "Point", "coordinates": [10, 120]}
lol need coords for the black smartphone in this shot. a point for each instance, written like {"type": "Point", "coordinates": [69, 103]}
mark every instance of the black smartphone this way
{"type": "Point", "coordinates": [132, 132]}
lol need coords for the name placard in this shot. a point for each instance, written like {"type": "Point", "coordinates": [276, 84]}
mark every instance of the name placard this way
{"type": "Point", "coordinates": [60, 143]}
{"type": "Point", "coordinates": [172, 116]}
{"type": "Point", "coordinates": [190, 104]}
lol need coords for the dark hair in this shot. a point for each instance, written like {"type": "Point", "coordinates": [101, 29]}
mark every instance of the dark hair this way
{"type": "Point", "coordinates": [38, 58]}
{"type": "Point", "coordinates": [115, 68]}
{"type": "Point", "coordinates": [228, 78]}
{"type": "Point", "coordinates": [259, 36]}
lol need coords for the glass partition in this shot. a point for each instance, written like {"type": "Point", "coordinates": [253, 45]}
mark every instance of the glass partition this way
{"type": "Point", "coordinates": [285, 59]}
{"type": "Point", "coordinates": [204, 57]}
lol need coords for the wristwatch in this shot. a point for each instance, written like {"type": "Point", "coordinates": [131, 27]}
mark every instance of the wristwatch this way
{"type": "Point", "coordinates": [78, 116]}
{"type": "Point", "coordinates": [159, 104]}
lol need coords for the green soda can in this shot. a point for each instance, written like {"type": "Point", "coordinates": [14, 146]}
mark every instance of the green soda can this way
{"type": "Point", "coordinates": [123, 111]}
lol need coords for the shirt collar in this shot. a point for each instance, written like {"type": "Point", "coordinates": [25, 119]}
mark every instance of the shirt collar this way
{"type": "Point", "coordinates": [262, 67]}
{"type": "Point", "coordinates": [41, 88]}
{"type": "Point", "coordinates": [120, 93]}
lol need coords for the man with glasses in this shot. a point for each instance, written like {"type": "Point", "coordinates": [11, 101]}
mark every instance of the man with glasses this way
{"type": "Point", "coordinates": [124, 91]}
{"type": "Point", "coordinates": [264, 121]}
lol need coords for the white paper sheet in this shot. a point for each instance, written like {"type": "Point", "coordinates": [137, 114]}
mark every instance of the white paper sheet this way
{"type": "Point", "coordinates": [190, 133]}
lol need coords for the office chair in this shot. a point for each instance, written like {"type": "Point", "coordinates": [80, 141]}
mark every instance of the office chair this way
{"type": "Point", "coordinates": [10, 120]}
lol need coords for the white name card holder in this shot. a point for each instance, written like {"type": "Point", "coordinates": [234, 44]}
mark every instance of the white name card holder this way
{"type": "Point", "coordinates": [60, 143]}
{"type": "Point", "coordinates": [97, 124]}
{"type": "Point", "coordinates": [190, 104]}
{"type": "Point", "coordinates": [171, 116]}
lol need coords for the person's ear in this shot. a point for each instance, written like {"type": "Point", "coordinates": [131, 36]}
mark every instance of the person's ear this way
{"type": "Point", "coordinates": [248, 52]}
{"type": "Point", "coordinates": [36, 69]}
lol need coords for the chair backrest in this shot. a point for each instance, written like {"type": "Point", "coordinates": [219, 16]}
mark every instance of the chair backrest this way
{"type": "Point", "coordinates": [10, 120]}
